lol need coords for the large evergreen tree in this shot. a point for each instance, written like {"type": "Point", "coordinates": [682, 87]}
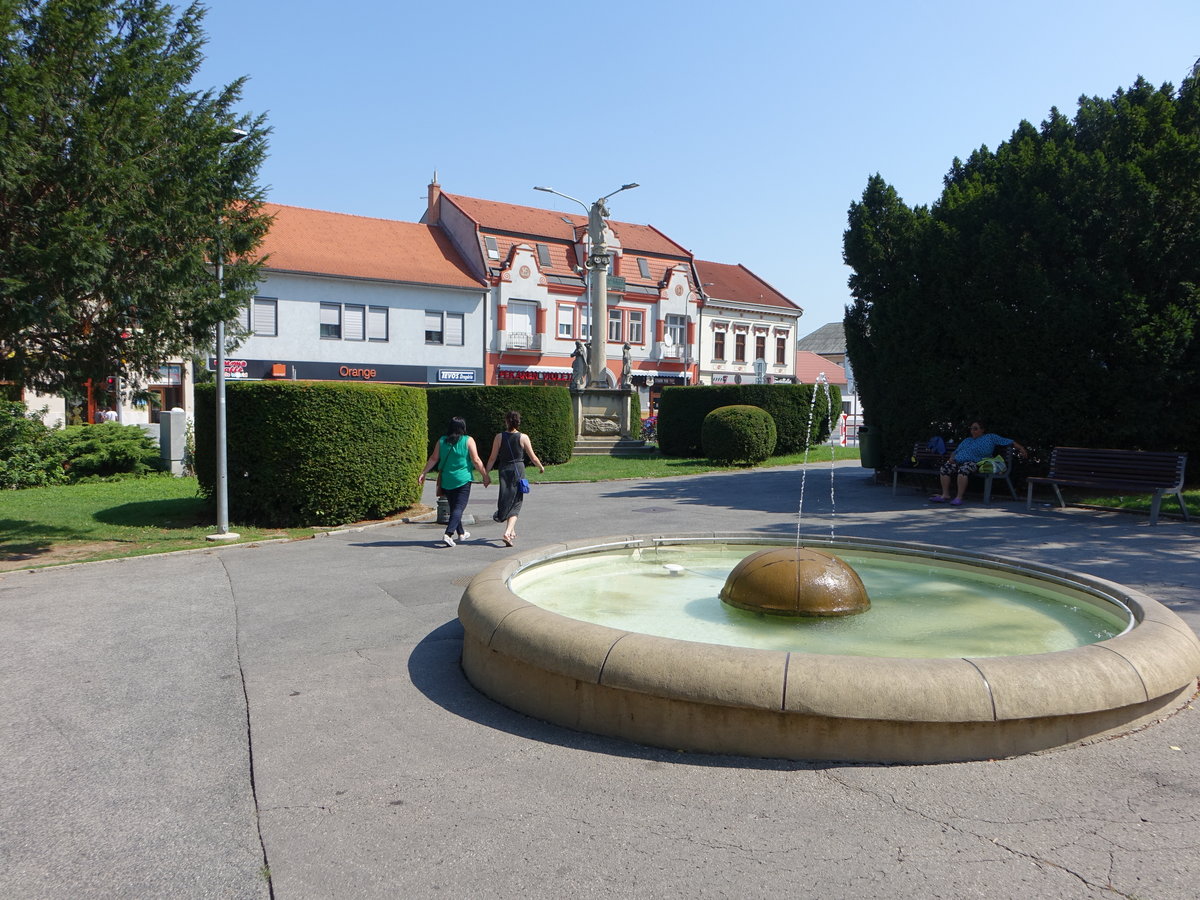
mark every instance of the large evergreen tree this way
{"type": "Point", "coordinates": [119, 184]}
{"type": "Point", "coordinates": [1054, 288]}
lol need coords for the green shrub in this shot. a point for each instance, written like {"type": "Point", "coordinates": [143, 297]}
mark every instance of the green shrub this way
{"type": "Point", "coordinates": [314, 453]}
{"type": "Point", "coordinates": [546, 416]}
{"type": "Point", "coordinates": [108, 450]}
{"type": "Point", "coordinates": [738, 434]}
{"type": "Point", "coordinates": [31, 454]}
{"type": "Point", "coordinates": [801, 413]}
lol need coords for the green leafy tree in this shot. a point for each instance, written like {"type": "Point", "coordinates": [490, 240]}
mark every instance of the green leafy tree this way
{"type": "Point", "coordinates": [119, 185]}
{"type": "Point", "coordinates": [1052, 289]}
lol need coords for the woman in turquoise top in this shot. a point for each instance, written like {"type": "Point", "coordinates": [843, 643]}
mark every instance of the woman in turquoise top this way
{"type": "Point", "coordinates": [965, 461]}
{"type": "Point", "coordinates": [454, 455]}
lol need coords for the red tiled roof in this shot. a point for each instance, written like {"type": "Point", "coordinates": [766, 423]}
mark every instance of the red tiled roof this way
{"type": "Point", "coordinates": [739, 285]}
{"type": "Point", "coordinates": [534, 222]}
{"type": "Point", "coordinates": [809, 366]}
{"type": "Point", "coordinates": [327, 243]}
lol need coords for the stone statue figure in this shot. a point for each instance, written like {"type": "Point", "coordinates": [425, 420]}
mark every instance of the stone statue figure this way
{"type": "Point", "coordinates": [626, 367]}
{"type": "Point", "coordinates": [579, 366]}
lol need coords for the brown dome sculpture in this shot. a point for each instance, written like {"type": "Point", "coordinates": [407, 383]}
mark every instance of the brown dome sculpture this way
{"type": "Point", "coordinates": [789, 581]}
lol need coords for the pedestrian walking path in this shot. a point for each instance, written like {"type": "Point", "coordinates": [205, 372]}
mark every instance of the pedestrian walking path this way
{"type": "Point", "coordinates": [290, 720]}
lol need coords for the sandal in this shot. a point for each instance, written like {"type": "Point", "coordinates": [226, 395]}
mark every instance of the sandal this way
{"type": "Point", "coordinates": [956, 502]}
{"type": "Point", "coordinates": [507, 539]}
{"type": "Point", "coordinates": [937, 498]}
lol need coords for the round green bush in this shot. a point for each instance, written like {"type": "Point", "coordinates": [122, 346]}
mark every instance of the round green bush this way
{"type": "Point", "coordinates": [734, 434]}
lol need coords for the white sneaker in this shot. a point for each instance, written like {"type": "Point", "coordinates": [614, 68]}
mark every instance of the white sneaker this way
{"type": "Point", "coordinates": [464, 535]}
{"type": "Point", "coordinates": [447, 540]}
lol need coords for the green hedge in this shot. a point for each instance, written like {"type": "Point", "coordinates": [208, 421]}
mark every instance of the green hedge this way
{"type": "Point", "coordinates": [681, 413]}
{"type": "Point", "coordinates": [314, 453]}
{"type": "Point", "coordinates": [545, 410]}
{"type": "Point", "coordinates": [738, 434]}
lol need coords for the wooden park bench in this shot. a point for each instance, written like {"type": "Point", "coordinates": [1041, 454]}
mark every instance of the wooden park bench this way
{"type": "Point", "coordinates": [1125, 471]}
{"type": "Point", "coordinates": [928, 462]}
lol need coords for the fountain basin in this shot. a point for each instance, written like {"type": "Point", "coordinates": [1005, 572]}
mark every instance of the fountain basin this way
{"type": "Point", "coordinates": [715, 698]}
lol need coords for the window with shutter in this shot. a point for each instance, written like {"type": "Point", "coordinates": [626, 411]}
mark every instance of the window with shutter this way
{"type": "Point", "coordinates": [454, 329]}
{"type": "Point", "coordinates": [356, 323]}
{"type": "Point", "coordinates": [377, 323]}
{"type": "Point", "coordinates": [433, 327]}
{"type": "Point", "coordinates": [266, 322]}
{"type": "Point", "coordinates": [331, 321]}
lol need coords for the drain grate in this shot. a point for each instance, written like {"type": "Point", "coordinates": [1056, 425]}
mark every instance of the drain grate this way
{"type": "Point", "coordinates": [652, 509]}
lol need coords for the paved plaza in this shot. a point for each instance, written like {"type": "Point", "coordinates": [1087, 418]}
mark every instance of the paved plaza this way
{"type": "Point", "coordinates": [290, 720]}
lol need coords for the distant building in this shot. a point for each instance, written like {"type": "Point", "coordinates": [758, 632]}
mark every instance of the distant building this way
{"type": "Point", "coordinates": [349, 298]}
{"type": "Point", "coordinates": [531, 261]}
{"type": "Point", "coordinates": [744, 319]}
{"type": "Point", "coordinates": [828, 344]}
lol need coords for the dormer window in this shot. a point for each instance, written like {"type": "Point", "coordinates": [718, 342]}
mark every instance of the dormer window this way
{"type": "Point", "coordinates": [543, 252]}
{"type": "Point", "coordinates": [493, 250]}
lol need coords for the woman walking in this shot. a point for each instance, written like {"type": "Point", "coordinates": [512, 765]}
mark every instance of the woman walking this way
{"type": "Point", "coordinates": [454, 454]}
{"type": "Point", "coordinates": [511, 447]}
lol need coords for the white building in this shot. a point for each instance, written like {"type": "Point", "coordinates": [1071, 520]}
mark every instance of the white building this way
{"type": "Point", "coordinates": [744, 319]}
{"type": "Point", "coordinates": [349, 298]}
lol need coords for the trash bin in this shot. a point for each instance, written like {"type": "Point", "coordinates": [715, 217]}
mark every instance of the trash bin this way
{"type": "Point", "coordinates": [870, 447]}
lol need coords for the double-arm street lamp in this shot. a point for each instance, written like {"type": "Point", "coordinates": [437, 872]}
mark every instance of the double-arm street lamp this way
{"type": "Point", "coordinates": [597, 265]}
{"type": "Point", "coordinates": [222, 467]}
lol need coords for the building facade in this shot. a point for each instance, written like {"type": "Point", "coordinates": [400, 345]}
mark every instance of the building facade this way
{"type": "Point", "coordinates": [747, 329]}
{"type": "Point", "coordinates": [537, 305]}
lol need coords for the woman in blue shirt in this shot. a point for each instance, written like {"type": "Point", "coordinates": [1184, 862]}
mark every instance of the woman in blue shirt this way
{"type": "Point", "coordinates": [966, 458]}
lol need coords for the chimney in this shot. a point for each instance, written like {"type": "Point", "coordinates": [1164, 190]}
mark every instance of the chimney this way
{"type": "Point", "coordinates": [433, 212]}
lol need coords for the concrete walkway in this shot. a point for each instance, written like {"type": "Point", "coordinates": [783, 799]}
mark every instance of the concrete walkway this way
{"type": "Point", "coordinates": [289, 720]}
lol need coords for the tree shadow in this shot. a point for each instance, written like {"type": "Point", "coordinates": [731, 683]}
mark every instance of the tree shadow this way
{"type": "Point", "coordinates": [22, 540]}
{"type": "Point", "coordinates": [180, 512]}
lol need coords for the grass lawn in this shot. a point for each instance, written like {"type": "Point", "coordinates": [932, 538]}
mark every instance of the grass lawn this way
{"type": "Point", "coordinates": [1132, 503]}
{"type": "Point", "coordinates": [84, 522]}
{"type": "Point", "coordinates": [88, 522]}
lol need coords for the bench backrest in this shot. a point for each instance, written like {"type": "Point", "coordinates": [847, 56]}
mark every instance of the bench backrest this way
{"type": "Point", "coordinates": [924, 458]}
{"type": "Point", "coordinates": [1153, 469]}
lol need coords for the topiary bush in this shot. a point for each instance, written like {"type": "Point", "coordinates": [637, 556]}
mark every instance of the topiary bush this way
{"type": "Point", "coordinates": [545, 410]}
{"type": "Point", "coordinates": [314, 453]}
{"type": "Point", "coordinates": [801, 419]}
{"type": "Point", "coordinates": [738, 434]}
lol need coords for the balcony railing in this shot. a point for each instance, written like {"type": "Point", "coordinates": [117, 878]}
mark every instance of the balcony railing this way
{"type": "Point", "coordinates": [670, 351]}
{"type": "Point", "coordinates": [520, 340]}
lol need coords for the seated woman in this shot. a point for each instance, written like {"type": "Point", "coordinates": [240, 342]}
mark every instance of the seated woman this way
{"type": "Point", "coordinates": [966, 458]}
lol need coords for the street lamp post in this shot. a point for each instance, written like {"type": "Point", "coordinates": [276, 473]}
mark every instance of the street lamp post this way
{"type": "Point", "coordinates": [222, 461]}
{"type": "Point", "coordinates": [597, 265]}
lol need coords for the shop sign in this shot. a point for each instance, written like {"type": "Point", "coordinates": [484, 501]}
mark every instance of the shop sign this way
{"type": "Point", "coordinates": [525, 375]}
{"type": "Point", "coordinates": [457, 375]}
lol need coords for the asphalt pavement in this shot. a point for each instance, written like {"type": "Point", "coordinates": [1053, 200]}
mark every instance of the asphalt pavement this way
{"type": "Point", "coordinates": [289, 720]}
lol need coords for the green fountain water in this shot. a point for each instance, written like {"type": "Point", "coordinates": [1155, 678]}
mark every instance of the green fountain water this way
{"type": "Point", "coordinates": [920, 606]}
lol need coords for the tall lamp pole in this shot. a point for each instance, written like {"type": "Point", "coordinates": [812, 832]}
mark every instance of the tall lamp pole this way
{"type": "Point", "coordinates": [596, 264]}
{"type": "Point", "coordinates": [222, 533]}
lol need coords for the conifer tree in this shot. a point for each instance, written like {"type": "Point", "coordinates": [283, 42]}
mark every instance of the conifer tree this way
{"type": "Point", "coordinates": [119, 184]}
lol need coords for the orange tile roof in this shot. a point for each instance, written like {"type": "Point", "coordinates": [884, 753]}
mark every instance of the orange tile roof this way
{"type": "Point", "coordinates": [327, 243]}
{"type": "Point", "coordinates": [809, 366]}
{"type": "Point", "coordinates": [534, 222]}
{"type": "Point", "coordinates": [739, 285]}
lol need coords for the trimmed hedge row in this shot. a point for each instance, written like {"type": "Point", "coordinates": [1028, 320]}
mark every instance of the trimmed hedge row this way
{"type": "Point", "coordinates": [798, 421]}
{"type": "Point", "coordinates": [545, 410]}
{"type": "Point", "coordinates": [738, 434]}
{"type": "Point", "coordinates": [314, 453]}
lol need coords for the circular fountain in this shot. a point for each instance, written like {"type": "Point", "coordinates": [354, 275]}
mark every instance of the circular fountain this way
{"type": "Point", "coordinates": [1082, 658]}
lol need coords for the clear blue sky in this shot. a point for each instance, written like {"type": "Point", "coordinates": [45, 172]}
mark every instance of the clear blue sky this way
{"type": "Point", "coordinates": [750, 127]}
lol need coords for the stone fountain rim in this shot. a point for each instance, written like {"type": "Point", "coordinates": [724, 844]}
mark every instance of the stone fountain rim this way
{"type": "Point", "coordinates": [526, 656]}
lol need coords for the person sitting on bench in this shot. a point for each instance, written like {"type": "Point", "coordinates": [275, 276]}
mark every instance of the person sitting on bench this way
{"type": "Point", "coordinates": [965, 461]}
